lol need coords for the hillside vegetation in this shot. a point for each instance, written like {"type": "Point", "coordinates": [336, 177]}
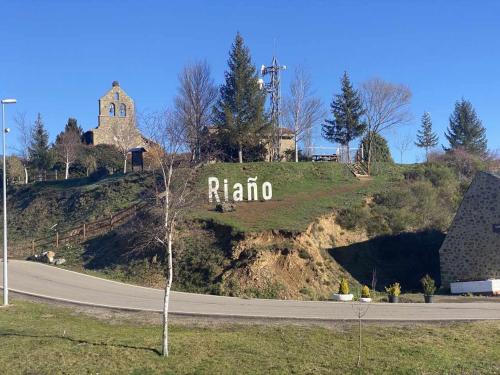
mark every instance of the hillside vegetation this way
{"type": "Point", "coordinates": [322, 224]}
{"type": "Point", "coordinates": [301, 193]}
{"type": "Point", "coordinates": [38, 209]}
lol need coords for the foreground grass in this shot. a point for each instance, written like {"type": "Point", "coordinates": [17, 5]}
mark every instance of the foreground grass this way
{"type": "Point", "coordinates": [35, 338]}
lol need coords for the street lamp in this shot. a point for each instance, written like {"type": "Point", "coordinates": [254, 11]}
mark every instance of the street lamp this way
{"type": "Point", "coordinates": [5, 131]}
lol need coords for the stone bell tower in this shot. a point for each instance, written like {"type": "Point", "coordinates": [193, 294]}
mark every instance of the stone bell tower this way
{"type": "Point", "coordinates": [116, 115]}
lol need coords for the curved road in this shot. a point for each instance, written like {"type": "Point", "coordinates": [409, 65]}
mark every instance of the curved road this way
{"type": "Point", "coordinates": [58, 284]}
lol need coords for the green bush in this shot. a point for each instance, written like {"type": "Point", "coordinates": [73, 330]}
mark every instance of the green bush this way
{"type": "Point", "coordinates": [365, 292]}
{"type": "Point", "coordinates": [271, 290]}
{"type": "Point", "coordinates": [344, 286]}
{"type": "Point", "coordinates": [426, 199]}
{"type": "Point", "coordinates": [304, 254]}
{"type": "Point", "coordinates": [380, 149]}
{"type": "Point", "coordinates": [353, 218]}
{"type": "Point", "coordinates": [428, 285]}
{"type": "Point", "coordinates": [393, 290]}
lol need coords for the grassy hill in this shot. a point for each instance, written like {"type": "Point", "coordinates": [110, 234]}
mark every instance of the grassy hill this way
{"type": "Point", "coordinates": [301, 193]}
{"type": "Point", "coordinates": [321, 224]}
{"type": "Point", "coordinates": [36, 208]}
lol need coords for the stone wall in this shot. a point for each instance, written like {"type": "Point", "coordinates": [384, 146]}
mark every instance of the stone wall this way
{"type": "Point", "coordinates": [471, 249]}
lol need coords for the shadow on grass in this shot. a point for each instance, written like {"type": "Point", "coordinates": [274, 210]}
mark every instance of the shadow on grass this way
{"type": "Point", "coordinates": [403, 258]}
{"type": "Point", "coordinates": [79, 341]}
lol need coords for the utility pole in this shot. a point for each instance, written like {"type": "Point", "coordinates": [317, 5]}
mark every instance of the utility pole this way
{"type": "Point", "coordinates": [5, 276]}
{"type": "Point", "coordinates": [273, 88]}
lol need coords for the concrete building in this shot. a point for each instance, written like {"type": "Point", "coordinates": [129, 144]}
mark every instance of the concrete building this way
{"type": "Point", "coordinates": [471, 249]}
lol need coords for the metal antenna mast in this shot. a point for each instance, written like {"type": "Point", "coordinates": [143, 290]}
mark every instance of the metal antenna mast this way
{"type": "Point", "coordinates": [273, 87]}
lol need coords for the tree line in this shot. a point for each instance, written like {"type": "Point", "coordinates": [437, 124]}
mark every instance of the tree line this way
{"type": "Point", "coordinates": [38, 159]}
{"type": "Point", "coordinates": [231, 121]}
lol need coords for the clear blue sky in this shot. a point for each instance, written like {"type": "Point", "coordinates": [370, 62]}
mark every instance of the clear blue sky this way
{"type": "Point", "coordinates": [57, 57]}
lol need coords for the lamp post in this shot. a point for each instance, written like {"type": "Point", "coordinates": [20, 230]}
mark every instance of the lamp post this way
{"type": "Point", "coordinates": [5, 276]}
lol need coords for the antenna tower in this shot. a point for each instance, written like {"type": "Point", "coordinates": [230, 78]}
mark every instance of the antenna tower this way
{"type": "Point", "coordinates": [273, 87]}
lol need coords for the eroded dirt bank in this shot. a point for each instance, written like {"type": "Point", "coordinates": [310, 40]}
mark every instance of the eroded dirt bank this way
{"type": "Point", "coordinates": [277, 264]}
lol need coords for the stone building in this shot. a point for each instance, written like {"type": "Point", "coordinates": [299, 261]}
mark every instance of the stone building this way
{"type": "Point", "coordinates": [286, 145]}
{"type": "Point", "coordinates": [116, 124]}
{"type": "Point", "coordinates": [471, 249]}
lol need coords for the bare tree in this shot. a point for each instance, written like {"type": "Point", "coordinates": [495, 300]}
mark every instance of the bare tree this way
{"type": "Point", "coordinates": [302, 110]}
{"type": "Point", "coordinates": [68, 147]}
{"type": "Point", "coordinates": [403, 144]}
{"type": "Point", "coordinates": [374, 279]}
{"type": "Point", "coordinates": [360, 309]}
{"type": "Point", "coordinates": [25, 138]}
{"type": "Point", "coordinates": [125, 138]}
{"type": "Point", "coordinates": [193, 104]}
{"type": "Point", "coordinates": [176, 173]}
{"type": "Point", "coordinates": [386, 107]}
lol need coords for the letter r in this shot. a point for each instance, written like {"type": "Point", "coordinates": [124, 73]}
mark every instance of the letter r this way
{"type": "Point", "coordinates": [213, 186]}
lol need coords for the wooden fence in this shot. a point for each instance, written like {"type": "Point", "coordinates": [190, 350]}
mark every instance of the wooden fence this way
{"type": "Point", "coordinates": [80, 233]}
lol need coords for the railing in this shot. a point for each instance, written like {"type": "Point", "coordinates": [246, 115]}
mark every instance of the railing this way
{"type": "Point", "coordinates": [349, 155]}
{"type": "Point", "coordinates": [80, 233]}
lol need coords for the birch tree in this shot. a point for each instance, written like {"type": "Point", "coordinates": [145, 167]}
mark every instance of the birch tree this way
{"type": "Point", "coordinates": [176, 173]}
{"type": "Point", "coordinates": [387, 106]}
{"type": "Point", "coordinates": [68, 147]}
{"type": "Point", "coordinates": [125, 138]}
{"type": "Point", "coordinates": [302, 109]}
{"type": "Point", "coordinates": [25, 138]}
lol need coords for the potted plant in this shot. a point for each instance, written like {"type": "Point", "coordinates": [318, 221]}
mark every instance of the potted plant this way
{"type": "Point", "coordinates": [343, 294]}
{"type": "Point", "coordinates": [365, 294]}
{"type": "Point", "coordinates": [429, 287]}
{"type": "Point", "coordinates": [393, 292]}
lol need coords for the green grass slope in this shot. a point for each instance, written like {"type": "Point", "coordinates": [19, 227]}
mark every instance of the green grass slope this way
{"type": "Point", "coordinates": [33, 209]}
{"type": "Point", "coordinates": [301, 193]}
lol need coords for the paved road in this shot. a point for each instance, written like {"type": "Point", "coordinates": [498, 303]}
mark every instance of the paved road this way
{"type": "Point", "coordinates": [58, 284]}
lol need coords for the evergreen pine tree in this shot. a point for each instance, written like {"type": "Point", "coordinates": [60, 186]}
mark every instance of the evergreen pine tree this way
{"type": "Point", "coordinates": [71, 126]}
{"type": "Point", "coordinates": [39, 154]}
{"type": "Point", "coordinates": [347, 110]}
{"type": "Point", "coordinates": [380, 149]}
{"type": "Point", "coordinates": [426, 138]}
{"type": "Point", "coordinates": [466, 130]}
{"type": "Point", "coordinates": [239, 113]}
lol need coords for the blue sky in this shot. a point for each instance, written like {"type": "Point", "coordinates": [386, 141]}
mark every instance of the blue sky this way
{"type": "Point", "coordinates": [57, 57]}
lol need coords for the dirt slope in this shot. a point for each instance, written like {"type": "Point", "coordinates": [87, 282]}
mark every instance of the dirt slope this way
{"type": "Point", "coordinates": [289, 265]}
